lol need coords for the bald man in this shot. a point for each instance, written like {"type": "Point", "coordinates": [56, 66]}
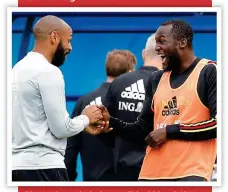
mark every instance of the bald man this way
{"type": "Point", "coordinates": [41, 123]}
{"type": "Point", "coordinates": [124, 100]}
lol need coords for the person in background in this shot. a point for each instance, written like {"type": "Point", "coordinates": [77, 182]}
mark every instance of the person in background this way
{"type": "Point", "coordinates": [97, 154]}
{"type": "Point", "coordinates": [124, 100]}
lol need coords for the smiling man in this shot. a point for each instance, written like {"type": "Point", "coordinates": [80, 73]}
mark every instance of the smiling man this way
{"type": "Point", "coordinates": [178, 120]}
{"type": "Point", "coordinates": [40, 121]}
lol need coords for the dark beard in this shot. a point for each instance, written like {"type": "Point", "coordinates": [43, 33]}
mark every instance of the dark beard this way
{"type": "Point", "coordinates": [59, 56]}
{"type": "Point", "coordinates": [173, 63]}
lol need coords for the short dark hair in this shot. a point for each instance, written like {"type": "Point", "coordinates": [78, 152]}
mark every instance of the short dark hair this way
{"type": "Point", "coordinates": [181, 29]}
{"type": "Point", "coordinates": [119, 62]}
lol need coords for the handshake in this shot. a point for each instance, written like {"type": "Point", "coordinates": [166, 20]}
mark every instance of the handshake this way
{"type": "Point", "coordinates": [99, 123]}
{"type": "Point", "coordinates": [98, 117]}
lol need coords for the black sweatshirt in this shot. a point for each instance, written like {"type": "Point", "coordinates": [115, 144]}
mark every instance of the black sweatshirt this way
{"type": "Point", "coordinates": [124, 100]}
{"type": "Point", "coordinates": [97, 157]}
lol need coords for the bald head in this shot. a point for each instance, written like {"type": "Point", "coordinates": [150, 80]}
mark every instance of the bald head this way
{"type": "Point", "coordinates": [48, 24]}
{"type": "Point", "coordinates": [149, 54]}
{"type": "Point", "coordinates": [53, 39]}
{"type": "Point", "coordinates": [150, 47]}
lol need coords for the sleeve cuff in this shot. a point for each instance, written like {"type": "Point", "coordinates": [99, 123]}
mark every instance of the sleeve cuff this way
{"type": "Point", "coordinates": [172, 131]}
{"type": "Point", "coordinates": [84, 119]}
{"type": "Point", "coordinates": [113, 123]}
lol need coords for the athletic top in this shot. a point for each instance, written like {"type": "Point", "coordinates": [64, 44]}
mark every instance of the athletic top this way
{"type": "Point", "coordinates": [40, 121]}
{"type": "Point", "coordinates": [179, 158]}
{"type": "Point", "coordinates": [206, 93]}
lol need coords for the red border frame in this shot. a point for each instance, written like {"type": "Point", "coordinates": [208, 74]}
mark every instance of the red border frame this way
{"type": "Point", "coordinates": [114, 3]}
{"type": "Point", "coordinates": [115, 189]}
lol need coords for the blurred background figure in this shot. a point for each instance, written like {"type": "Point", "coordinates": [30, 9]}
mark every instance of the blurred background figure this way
{"type": "Point", "coordinates": [96, 155]}
{"type": "Point", "coordinates": [124, 100]}
{"type": "Point", "coordinates": [98, 33]}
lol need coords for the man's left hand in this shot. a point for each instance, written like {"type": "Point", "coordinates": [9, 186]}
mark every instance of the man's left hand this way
{"type": "Point", "coordinates": [156, 138]}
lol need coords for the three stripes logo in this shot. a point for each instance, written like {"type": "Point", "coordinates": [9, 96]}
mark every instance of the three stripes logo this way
{"type": "Point", "coordinates": [96, 101]}
{"type": "Point", "coordinates": [171, 108]}
{"type": "Point", "coordinates": [135, 91]}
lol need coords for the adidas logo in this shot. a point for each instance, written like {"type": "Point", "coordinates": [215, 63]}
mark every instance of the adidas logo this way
{"type": "Point", "coordinates": [171, 108]}
{"type": "Point", "coordinates": [135, 91]}
{"type": "Point", "coordinates": [97, 101]}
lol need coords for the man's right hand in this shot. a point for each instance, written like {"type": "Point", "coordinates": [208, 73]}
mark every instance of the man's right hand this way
{"type": "Point", "coordinates": [93, 113]}
{"type": "Point", "coordinates": [105, 113]}
{"type": "Point", "coordinates": [101, 125]}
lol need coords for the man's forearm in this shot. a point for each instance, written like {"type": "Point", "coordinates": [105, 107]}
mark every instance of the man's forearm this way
{"type": "Point", "coordinates": [130, 131]}
{"type": "Point", "coordinates": [193, 132]}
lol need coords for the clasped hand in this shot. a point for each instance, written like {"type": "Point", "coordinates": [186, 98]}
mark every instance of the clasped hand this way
{"type": "Point", "coordinates": [98, 119]}
{"type": "Point", "coordinates": [99, 123]}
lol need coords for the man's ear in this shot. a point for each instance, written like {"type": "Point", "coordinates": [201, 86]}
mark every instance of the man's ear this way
{"type": "Point", "coordinates": [54, 37]}
{"type": "Point", "coordinates": [183, 43]}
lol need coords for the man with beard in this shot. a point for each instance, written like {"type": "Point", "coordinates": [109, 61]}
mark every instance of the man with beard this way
{"type": "Point", "coordinates": [41, 123]}
{"type": "Point", "coordinates": [178, 119]}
